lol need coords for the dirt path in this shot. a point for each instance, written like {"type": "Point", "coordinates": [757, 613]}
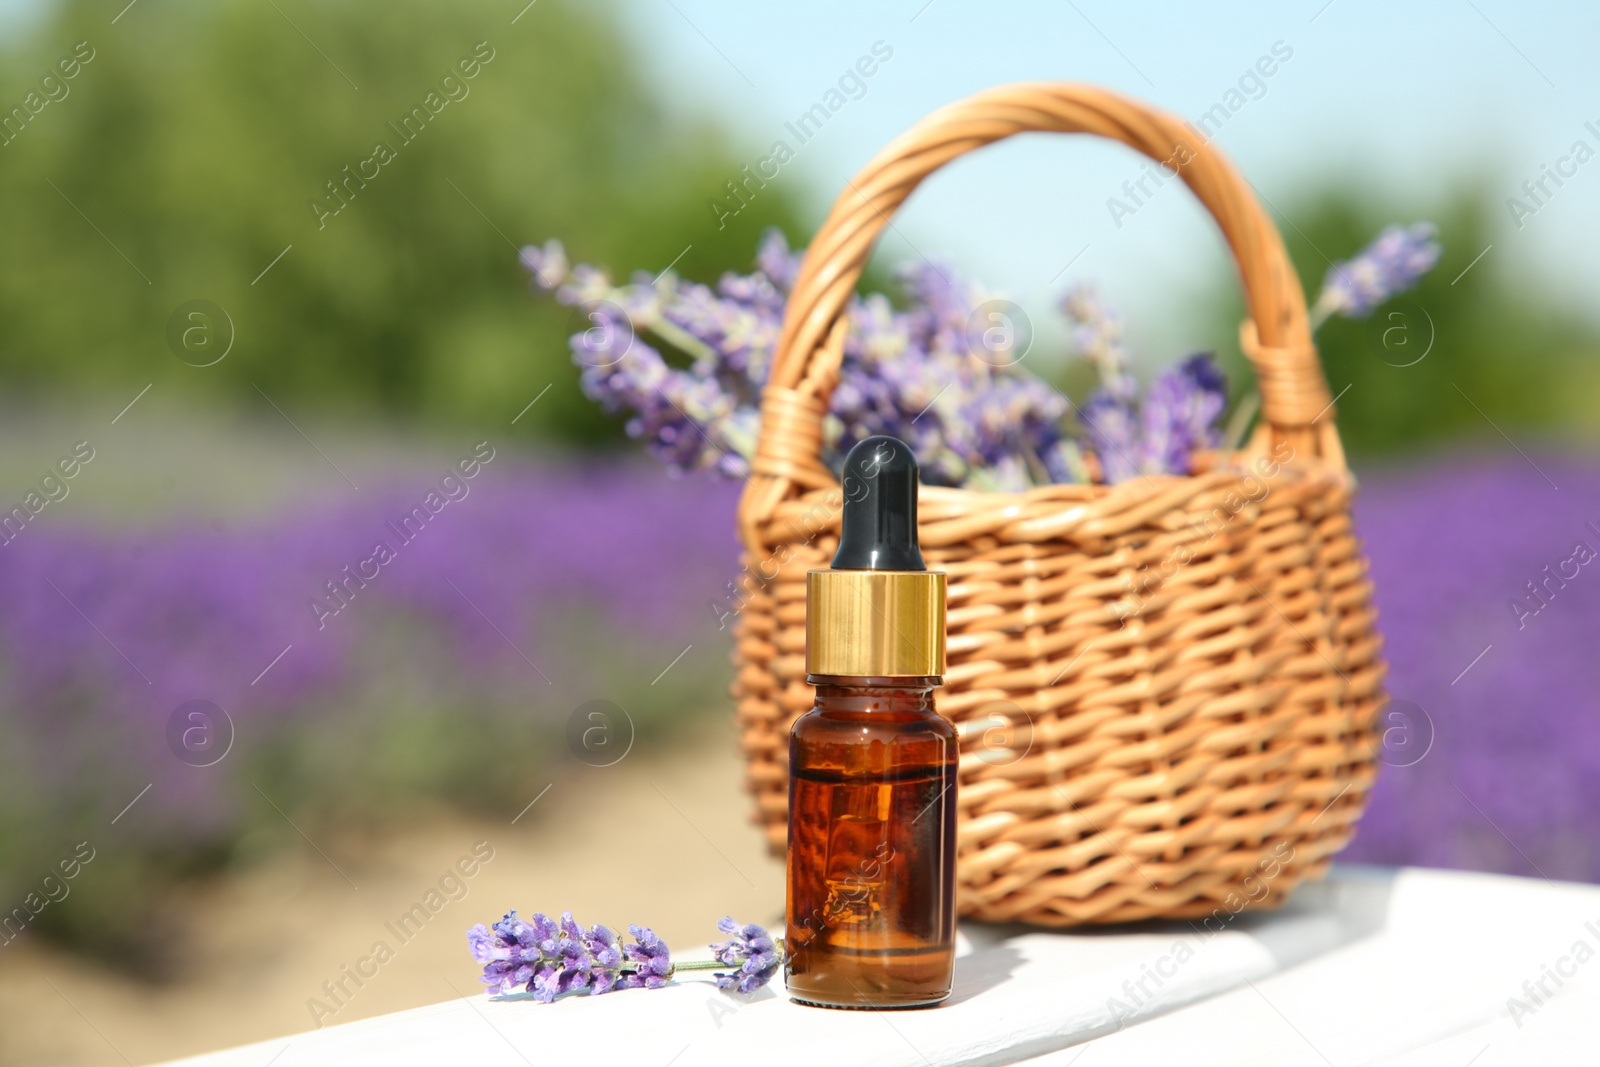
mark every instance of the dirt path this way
{"type": "Point", "coordinates": [662, 840]}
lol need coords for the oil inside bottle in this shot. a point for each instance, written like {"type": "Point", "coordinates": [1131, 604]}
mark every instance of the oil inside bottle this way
{"type": "Point", "coordinates": [871, 920]}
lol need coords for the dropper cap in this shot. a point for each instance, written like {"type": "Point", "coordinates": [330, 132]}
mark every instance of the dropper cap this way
{"type": "Point", "coordinates": [879, 529]}
{"type": "Point", "coordinates": [878, 612]}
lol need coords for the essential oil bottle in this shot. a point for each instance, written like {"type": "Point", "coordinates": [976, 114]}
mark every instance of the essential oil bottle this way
{"type": "Point", "coordinates": [872, 767]}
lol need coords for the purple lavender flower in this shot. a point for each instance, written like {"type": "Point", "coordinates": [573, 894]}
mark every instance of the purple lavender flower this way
{"type": "Point", "coordinates": [1179, 415]}
{"type": "Point", "coordinates": [752, 950]}
{"type": "Point", "coordinates": [1390, 265]}
{"type": "Point", "coordinates": [566, 962]}
{"type": "Point", "coordinates": [548, 264]}
{"type": "Point", "coordinates": [1111, 427]}
{"type": "Point", "coordinates": [1161, 433]}
{"type": "Point", "coordinates": [650, 958]}
{"type": "Point", "coordinates": [1130, 436]}
{"type": "Point", "coordinates": [1064, 463]}
{"type": "Point", "coordinates": [941, 302]}
{"type": "Point", "coordinates": [605, 957]}
{"type": "Point", "coordinates": [1097, 337]}
{"type": "Point", "coordinates": [510, 953]}
{"type": "Point", "coordinates": [548, 958]}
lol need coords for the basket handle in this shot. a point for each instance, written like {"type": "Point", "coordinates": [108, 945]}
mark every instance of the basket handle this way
{"type": "Point", "coordinates": [1276, 337]}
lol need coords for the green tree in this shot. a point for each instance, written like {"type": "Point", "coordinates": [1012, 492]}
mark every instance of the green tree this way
{"type": "Point", "coordinates": [187, 153]}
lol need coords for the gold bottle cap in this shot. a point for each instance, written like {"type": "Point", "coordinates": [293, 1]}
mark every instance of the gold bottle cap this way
{"type": "Point", "coordinates": [878, 612]}
{"type": "Point", "coordinates": [875, 624]}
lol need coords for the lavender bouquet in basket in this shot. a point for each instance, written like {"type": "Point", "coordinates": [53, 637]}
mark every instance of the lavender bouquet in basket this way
{"type": "Point", "coordinates": [924, 370]}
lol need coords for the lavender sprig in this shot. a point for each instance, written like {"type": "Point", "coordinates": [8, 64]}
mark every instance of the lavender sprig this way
{"type": "Point", "coordinates": [1111, 427]}
{"type": "Point", "coordinates": [1179, 414]}
{"type": "Point", "coordinates": [549, 957]}
{"type": "Point", "coordinates": [1393, 263]}
{"type": "Point", "coordinates": [752, 950]}
{"type": "Point", "coordinates": [545, 957]}
{"type": "Point", "coordinates": [1160, 433]}
{"type": "Point", "coordinates": [650, 958]}
{"type": "Point", "coordinates": [1097, 337]}
{"type": "Point", "coordinates": [691, 419]}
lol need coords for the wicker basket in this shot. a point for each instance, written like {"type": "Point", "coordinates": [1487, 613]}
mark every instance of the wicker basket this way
{"type": "Point", "coordinates": [1166, 689]}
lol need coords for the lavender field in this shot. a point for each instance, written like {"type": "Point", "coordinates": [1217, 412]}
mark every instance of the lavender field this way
{"type": "Point", "coordinates": [354, 685]}
{"type": "Point", "coordinates": [1495, 761]}
{"type": "Point", "coordinates": [359, 685]}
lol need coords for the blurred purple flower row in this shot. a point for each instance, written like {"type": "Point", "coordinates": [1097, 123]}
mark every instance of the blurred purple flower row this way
{"type": "Point", "coordinates": [1486, 603]}
{"type": "Point", "coordinates": [1489, 612]}
{"type": "Point", "coordinates": [105, 634]}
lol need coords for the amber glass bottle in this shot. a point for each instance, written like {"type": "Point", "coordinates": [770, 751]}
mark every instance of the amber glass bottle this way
{"type": "Point", "coordinates": [872, 767]}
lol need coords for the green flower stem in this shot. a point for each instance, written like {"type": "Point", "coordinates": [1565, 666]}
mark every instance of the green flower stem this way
{"type": "Point", "coordinates": [683, 340]}
{"type": "Point", "coordinates": [718, 965]}
{"type": "Point", "coordinates": [1244, 415]}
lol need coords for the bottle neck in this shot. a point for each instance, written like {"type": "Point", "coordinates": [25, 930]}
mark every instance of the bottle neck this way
{"type": "Point", "coordinates": [897, 695]}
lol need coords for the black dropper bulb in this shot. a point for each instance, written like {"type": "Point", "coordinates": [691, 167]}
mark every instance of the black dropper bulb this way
{"type": "Point", "coordinates": [880, 508]}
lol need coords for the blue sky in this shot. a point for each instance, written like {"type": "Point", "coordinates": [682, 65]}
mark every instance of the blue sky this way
{"type": "Point", "coordinates": [1401, 98]}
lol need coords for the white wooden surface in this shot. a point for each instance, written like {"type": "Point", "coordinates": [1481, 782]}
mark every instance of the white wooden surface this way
{"type": "Point", "coordinates": [1370, 967]}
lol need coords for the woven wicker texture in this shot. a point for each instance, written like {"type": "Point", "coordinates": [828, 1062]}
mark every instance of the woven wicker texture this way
{"type": "Point", "coordinates": [1167, 689]}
